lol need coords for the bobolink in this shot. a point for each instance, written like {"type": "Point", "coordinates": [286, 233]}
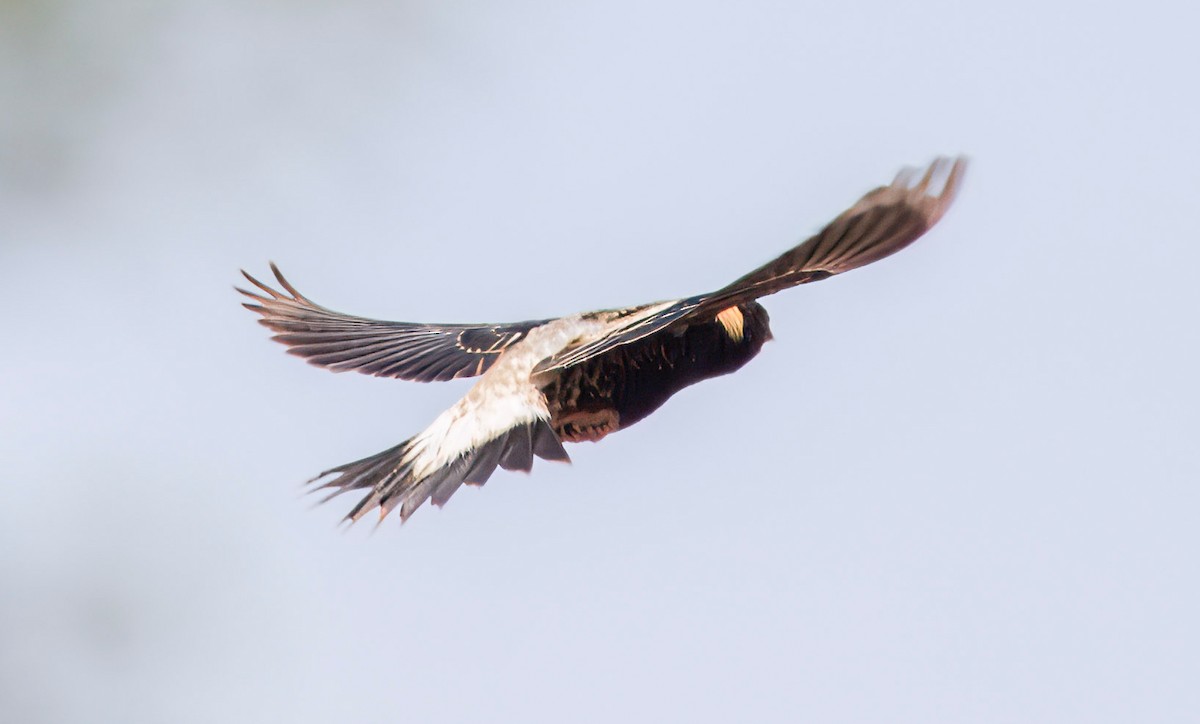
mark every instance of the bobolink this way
{"type": "Point", "coordinates": [581, 377]}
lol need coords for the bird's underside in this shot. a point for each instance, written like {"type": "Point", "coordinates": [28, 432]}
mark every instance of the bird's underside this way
{"type": "Point", "coordinates": [576, 378]}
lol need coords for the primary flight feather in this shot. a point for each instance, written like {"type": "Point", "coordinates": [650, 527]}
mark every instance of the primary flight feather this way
{"type": "Point", "coordinates": [576, 378]}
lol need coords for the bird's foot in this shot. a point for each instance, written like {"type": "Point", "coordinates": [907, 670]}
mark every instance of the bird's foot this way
{"type": "Point", "coordinates": [586, 425]}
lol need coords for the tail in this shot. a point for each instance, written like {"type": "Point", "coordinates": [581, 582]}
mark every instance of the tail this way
{"type": "Point", "coordinates": [393, 480]}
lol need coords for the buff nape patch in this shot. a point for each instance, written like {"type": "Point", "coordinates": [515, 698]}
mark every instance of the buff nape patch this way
{"type": "Point", "coordinates": [733, 322]}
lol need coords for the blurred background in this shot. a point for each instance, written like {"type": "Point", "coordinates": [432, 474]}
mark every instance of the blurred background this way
{"type": "Point", "coordinates": [960, 485]}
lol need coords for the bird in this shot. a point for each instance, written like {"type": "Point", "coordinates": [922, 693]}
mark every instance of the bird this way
{"type": "Point", "coordinates": [577, 378]}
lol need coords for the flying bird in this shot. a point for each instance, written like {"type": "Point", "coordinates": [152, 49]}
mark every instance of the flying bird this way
{"type": "Point", "coordinates": [580, 377]}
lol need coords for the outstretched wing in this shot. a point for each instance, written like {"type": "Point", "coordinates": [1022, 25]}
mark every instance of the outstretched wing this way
{"type": "Point", "coordinates": [624, 328]}
{"type": "Point", "coordinates": [883, 222]}
{"type": "Point", "coordinates": [340, 342]}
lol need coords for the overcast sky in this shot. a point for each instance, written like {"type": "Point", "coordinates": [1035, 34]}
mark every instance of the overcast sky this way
{"type": "Point", "coordinates": [960, 485]}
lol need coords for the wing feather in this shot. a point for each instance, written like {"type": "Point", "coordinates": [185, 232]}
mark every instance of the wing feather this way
{"type": "Point", "coordinates": [340, 342]}
{"type": "Point", "coordinates": [881, 223]}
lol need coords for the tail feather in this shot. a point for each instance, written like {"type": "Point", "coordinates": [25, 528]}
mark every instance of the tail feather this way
{"type": "Point", "coordinates": [446, 488]}
{"type": "Point", "coordinates": [546, 444]}
{"type": "Point", "coordinates": [390, 474]}
{"type": "Point", "coordinates": [487, 458]}
{"type": "Point", "coordinates": [448, 478]}
{"type": "Point", "coordinates": [518, 450]}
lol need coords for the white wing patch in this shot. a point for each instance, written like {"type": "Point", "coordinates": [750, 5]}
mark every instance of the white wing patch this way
{"type": "Point", "coordinates": [502, 421]}
{"type": "Point", "coordinates": [504, 398]}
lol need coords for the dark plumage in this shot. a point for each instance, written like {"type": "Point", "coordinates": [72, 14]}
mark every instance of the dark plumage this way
{"type": "Point", "coordinates": [627, 383]}
{"type": "Point", "coordinates": [580, 377]}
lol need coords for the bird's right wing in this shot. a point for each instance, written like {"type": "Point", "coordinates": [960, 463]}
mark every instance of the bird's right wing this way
{"type": "Point", "coordinates": [340, 342]}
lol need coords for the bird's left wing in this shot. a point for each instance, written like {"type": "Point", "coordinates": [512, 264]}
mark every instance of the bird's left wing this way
{"type": "Point", "coordinates": [881, 223]}
{"type": "Point", "coordinates": [340, 342]}
{"type": "Point", "coordinates": [624, 327]}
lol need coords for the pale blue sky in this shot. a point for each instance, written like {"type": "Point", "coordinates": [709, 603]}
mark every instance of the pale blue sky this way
{"type": "Point", "coordinates": [960, 485]}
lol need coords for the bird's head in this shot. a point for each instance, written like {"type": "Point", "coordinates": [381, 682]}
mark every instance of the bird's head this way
{"type": "Point", "coordinates": [746, 323]}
